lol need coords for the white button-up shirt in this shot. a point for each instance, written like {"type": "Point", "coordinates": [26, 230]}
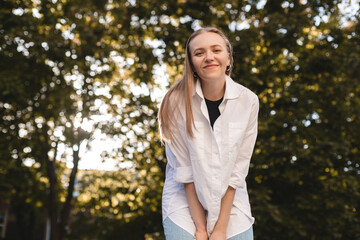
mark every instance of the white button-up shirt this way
{"type": "Point", "coordinates": [213, 159]}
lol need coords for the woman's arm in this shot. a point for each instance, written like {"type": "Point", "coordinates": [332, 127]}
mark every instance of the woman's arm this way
{"type": "Point", "coordinates": [197, 211]}
{"type": "Point", "coordinates": [219, 232]}
{"type": "Point", "coordinates": [242, 162]}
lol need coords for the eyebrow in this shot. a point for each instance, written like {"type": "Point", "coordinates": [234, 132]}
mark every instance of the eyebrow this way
{"type": "Point", "coordinates": [212, 46]}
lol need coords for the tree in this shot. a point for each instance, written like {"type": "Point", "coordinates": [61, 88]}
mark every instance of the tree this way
{"type": "Point", "coordinates": [47, 90]}
{"type": "Point", "coordinates": [296, 55]}
{"type": "Point", "coordinates": [292, 55]}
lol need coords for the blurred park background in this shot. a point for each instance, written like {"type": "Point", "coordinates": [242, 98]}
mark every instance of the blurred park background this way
{"type": "Point", "coordinates": [81, 82]}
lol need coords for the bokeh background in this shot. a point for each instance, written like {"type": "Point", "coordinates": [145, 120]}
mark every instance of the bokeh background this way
{"type": "Point", "coordinates": [81, 82]}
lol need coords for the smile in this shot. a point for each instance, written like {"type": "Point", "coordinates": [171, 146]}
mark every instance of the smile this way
{"type": "Point", "coordinates": [210, 66]}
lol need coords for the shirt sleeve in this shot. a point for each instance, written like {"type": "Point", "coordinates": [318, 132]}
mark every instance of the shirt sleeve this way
{"type": "Point", "coordinates": [241, 168]}
{"type": "Point", "coordinates": [178, 156]}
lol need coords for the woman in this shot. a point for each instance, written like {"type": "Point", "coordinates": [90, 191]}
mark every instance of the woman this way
{"type": "Point", "coordinates": [209, 126]}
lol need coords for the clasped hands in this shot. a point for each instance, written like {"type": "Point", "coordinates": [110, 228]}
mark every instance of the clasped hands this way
{"type": "Point", "coordinates": [215, 235]}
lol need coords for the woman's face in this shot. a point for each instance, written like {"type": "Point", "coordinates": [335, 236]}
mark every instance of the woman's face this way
{"type": "Point", "coordinates": [209, 56]}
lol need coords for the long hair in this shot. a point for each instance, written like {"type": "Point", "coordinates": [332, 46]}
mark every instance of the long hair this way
{"type": "Point", "coordinates": [180, 94]}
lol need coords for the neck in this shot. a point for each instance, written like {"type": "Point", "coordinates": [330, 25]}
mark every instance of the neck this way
{"type": "Point", "coordinates": [213, 90]}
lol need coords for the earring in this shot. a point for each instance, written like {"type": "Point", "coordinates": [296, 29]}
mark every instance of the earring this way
{"type": "Point", "coordinates": [228, 67]}
{"type": "Point", "coordinates": [196, 76]}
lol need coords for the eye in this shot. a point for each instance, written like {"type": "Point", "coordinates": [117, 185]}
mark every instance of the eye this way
{"type": "Point", "coordinates": [198, 54]}
{"type": "Point", "coordinates": [217, 50]}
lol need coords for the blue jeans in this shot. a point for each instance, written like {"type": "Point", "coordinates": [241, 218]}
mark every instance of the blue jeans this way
{"type": "Point", "coordinates": [174, 232]}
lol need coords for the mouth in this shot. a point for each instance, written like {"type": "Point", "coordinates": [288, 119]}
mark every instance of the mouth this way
{"type": "Point", "coordinates": [210, 66]}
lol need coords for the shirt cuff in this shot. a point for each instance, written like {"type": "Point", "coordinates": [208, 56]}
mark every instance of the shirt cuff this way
{"type": "Point", "coordinates": [237, 181]}
{"type": "Point", "coordinates": [183, 174]}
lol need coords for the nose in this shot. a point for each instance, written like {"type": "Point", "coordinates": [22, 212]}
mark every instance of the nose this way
{"type": "Point", "coordinates": [209, 56]}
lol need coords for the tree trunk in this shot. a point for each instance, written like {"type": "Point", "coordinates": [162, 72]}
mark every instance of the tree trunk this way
{"type": "Point", "coordinates": [51, 172]}
{"type": "Point", "coordinates": [65, 213]}
{"type": "Point", "coordinates": [58, 226]}
{"type": "Point", "coordinates": [51, 168]}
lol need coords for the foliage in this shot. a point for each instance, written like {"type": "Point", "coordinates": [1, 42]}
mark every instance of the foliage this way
{"type": "Point", "coordinates": [65, 63]}
{"type": "Point", "coordinates": [46, 91]}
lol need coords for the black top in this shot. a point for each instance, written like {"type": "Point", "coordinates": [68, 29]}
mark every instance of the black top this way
{"type": "Point", "coordinates": [213, 109]}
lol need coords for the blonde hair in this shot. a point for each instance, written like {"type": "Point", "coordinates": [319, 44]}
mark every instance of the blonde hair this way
{"type": "Point", "coordinates": [183, 90]}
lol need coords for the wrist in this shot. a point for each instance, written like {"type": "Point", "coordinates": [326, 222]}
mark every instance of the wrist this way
{"type": "Point", "coordinates": [220, 229]}
{"type": "Point", "coordinates": [201, 229]}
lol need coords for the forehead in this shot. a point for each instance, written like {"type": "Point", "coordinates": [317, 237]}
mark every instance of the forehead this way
{"type": "Point", "coordinates": [206, 40]}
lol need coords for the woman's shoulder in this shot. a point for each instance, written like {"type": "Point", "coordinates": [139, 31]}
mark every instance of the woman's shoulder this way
{"type": "Point", "coordinates": [176, 97]}
{"type": "Point", "coordinates": [245, 92]}
{"type": "Point", "coordinates": [176, 102]}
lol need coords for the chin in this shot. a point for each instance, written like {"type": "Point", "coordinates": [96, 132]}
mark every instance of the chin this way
{"type": "Point", "coordinates": [214, 76]}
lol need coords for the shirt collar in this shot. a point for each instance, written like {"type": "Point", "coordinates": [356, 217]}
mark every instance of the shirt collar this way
{"type": "Point", "coordinates": [231, 89]}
